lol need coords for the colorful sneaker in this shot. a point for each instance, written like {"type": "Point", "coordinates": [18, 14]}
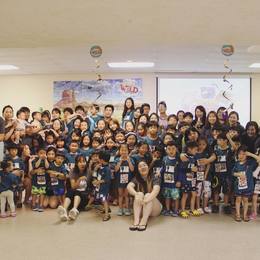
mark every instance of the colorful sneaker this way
{"type": "Point", "coordinates": [252, 216]}
{"type": "Point", "coordinates": [207, 210]}
{"type": "Point", "coordinates": [120, 212]}
{"type": "Point", "coordinates": [40, 209]}
{"type": "Point", "coordinates": [62, 213]}
{"type": "Point", "coordinates": [127, 212]}
{"type": "Point", "coordinates": [167, 213]}
{"type": "Point", "coordinates": [174, 213]}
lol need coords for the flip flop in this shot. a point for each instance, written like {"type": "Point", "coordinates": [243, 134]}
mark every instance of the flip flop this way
{"type": "Point", "coordinates": [106, 218]}
{"type": "Point", "coordinates": [142, 227]}
{"type": "Point", "coordinates": [133, 227]}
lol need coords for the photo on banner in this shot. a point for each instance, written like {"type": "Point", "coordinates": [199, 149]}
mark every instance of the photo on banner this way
{"type": "Point", "coordinates": [106, 91]}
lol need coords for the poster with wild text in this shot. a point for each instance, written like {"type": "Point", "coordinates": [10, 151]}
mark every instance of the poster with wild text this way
{"type": "Point", "coordinates": [106, 91]}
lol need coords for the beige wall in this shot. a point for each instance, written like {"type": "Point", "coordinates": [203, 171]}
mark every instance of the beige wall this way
{"type": "Point", "coordinates": [35, 91]}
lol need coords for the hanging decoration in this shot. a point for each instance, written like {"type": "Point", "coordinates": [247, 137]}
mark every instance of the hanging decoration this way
{"type": "Point", "coordinates": [227, 50]}
{"type": "Point", "coordinates": [96, 52]}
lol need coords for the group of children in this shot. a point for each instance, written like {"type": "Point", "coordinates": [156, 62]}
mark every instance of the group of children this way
{"type": "Point", "coordinates": [200, 159]}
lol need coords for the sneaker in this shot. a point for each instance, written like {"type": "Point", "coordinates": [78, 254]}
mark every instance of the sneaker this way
{"type": "Point", "coordinates": [201, 211]}
{"type": "Point", "coordinates": [35, 208]}
{"type": "Point", "coordinates": [13, 214]}
{"type": "Point", "coordinates": [167, 213]}
{"type": "Point", "coordinates": [252, 216]}
{"type": "Point", "coordinates": [227, 210]}
{"type": "Point", "coordinates": [215, 209]}
{"type": "Point", "coordinates": [207, 210]}
{"type": "Point", "coordinates": [163, 212]}
{"type": "Point", "coordinates": [120, 212]}
{"type": "Point", "coordinates": [40, 209]}
{"type": "Point", "coordinates": [62, 213]}
{"type": "Point", "coordinates": [127, 212]}
{"type": "Point", "coordinates": [174, 213]}
{"type": "Point", "coordinates": [73, 214]}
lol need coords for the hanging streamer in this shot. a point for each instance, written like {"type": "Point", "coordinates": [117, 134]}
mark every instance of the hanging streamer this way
{"type": "Point", "coordinates": [227, 50]}
{"type": "Point", "coordinates": [96, 52]}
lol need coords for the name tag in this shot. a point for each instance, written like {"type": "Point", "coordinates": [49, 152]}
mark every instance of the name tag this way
{"type": "Point", "coordinates": [242, 182]}
{"type": "Point", "coordinates": [189, 176]}
{"type": "Point", "coordinates": [200, 176]}
{"type": "Point", "coordinates": [123, 178]}
{"type": "Point", "coordinates": [168, 178]}
{"type": "Point", "coordinates": [54, 181]}
{"type": "Point", "coordinates": [16, 165]}
{"type": "Point", "coordinates": [112, 159]}
{"type": "Point", "coordinates": [41, 180]}
{"type": "Point", "coordinates": [221, 167]}
{"type": "Point", "coordinates": [170, 169]}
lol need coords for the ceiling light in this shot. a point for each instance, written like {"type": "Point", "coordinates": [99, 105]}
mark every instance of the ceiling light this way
{"type": "Point", "coordinates": [130, 64]}
{"type": "Point", "coordinates": [8, 67]}
{"type": "Point", "coordinates": [255, 65]}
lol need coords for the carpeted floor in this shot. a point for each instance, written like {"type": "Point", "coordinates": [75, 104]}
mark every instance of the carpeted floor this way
{"type": "Point", "coordinates": [33, 235]}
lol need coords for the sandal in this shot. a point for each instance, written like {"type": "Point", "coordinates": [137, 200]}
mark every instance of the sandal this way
{"type": "Point", "coordinates": [142, 227]}
{"type": "Point", "coordinates": [133, 227]}
{"type": "Point", "coordinates": [238, 219]}
{"type": "Point", "coordinates": [195, 213]}
{"type": "Point", "coordinates": [106, 217]}
{"type": "Point", "coordinates": [184, 214]}
{"type": "Point", "coordinates": [246, 219]}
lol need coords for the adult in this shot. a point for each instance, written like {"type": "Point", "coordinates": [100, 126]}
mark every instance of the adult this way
{"type": "Point", "coordinates": [163, 117]}
{"type": "Point", "coordinates": [76, 196]}
{"type": "Point", "coordinates": [145, 188]}
{"type": "Point", "coordinates": [200, 117]}
{"type": "Point", "coordinates": [128, 112]}
{"type": "Point", "coordinates": [250, 137]}
{"type": "Point", "coordinates": [10, 123]}
{"type": "Point", "coordinates": [233, 121]}
{"type": "Point", "coordinates": [108, 112]}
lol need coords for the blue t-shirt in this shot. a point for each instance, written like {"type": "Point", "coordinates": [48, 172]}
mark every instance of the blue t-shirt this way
{"type": "Point", "coordinates": [8, 181]}
{"type": "Point", "coordinates": [124, 175]}
{"type": "Point", "coordinates": [86, 152]}
{"type": "Point", "coordinates": [54, 181]}
{"type": "Point", "coordinates": [39, 179]}
{"type": "Point", "coordinates": [170, 172]}
{"type": "Point", "coordinates": [186, 175]}
{"type": "Point", "coordinates": [153, 143]}
{"type": "Point", "coordinates": [70, 159]}
{"type": "Point", "coordinates": [224, 162]}
{"type": "Point", "coordinates": [244, 185]}
{"type": "Point", "coordinates": [104, 173]}
{"type": "Point", "coordinates": [202, 168]}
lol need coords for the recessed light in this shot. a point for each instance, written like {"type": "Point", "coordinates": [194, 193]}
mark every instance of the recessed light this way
{"type": "Point", "coordinates": [255, 65]}
{"type": "Point", "coordinates": [130, 64]}
{"type": "Point", "coordinates": [8, 67]}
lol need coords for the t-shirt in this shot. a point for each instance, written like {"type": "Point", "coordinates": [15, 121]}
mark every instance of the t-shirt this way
{"type": "Point", "coordinates": [39, 179]}
{"type": "Point", "coordinates": [54, 181]}
{"type": "Point", "coordinates": [202, 168]}
{"type": "Point", "coordinates": [7, 181]}
{"type": "Point", "coordinates": [187, 176]}
{"type": "Point", "coordinates": [153, 143]}
{"type": "Point", "coordinates": [70, 159]}
{"type": "Point", "coordinates": [244, 185]}
{"type": "Point", "coordinates": [104, 173]}
{"type": "Point", "coordinates": [224, 162]}
{"type": "Point", "coordinates": [170, 172]}
{"type": "Point", "coordinates": [124, 175]}
{"type": "Point", "coordinates": [86, 153]}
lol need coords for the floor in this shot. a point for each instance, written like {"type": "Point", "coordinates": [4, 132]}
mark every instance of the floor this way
{"type": "Point", "coordinates": [33, 235]}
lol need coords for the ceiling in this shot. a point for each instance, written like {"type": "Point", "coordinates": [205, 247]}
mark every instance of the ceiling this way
{"type": "Point", "coordinates": [42, 37]}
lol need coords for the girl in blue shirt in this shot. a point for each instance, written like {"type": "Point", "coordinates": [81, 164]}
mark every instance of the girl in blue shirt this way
{"type": "Point", "coordinates": [244, 183]}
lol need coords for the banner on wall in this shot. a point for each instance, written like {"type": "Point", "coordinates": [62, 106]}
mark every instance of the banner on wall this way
{"type": "Point", "coordinates": [108, 91]}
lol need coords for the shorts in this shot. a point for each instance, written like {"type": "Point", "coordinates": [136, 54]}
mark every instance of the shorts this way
{"type": "Point", "coordinates": [58, 191]}
{"type": "Point", "coordinates": [38, 190]}
{"type": "Point", "coordinates": [243, 194]}
{"type": "Point", "coordinates": [204, 187]}
{"type": "Point", "coordinates": [186, 188]}
{"type": "Point", "coordinates": [171, 193]}
{"type": "Point", "coordinates": [222, 182]}
{"type": "Point", "coordinates": [83, 198]}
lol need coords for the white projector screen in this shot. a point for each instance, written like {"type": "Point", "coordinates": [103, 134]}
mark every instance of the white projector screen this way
{"type": "Point", "coordinates": [187, 93]}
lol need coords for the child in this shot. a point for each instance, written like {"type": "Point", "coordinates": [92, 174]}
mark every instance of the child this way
{"type": "Point", "coordinates": [85, 145]}
{"type": "Point", "coordinates": [152, 137]}
{"type": "Point", "coordinates": [188, 171]}
{"type": "Point", "coordinates": [203, 177]}
{"type": "Point", "coordinates": [170, 180]}
{"type": "Point", "coordinates": [71, 155]}
{"type": "Point", "coordinates": [244, 184]}
{"type": "Point", "coordinates": [18, 170]}
{"type": "Point", "coordinates": [94, 110]}
{"type": "Point", "coordinates": [256, 193]}
{"type": "Point", "coordinates": [102, 183]}
{"type": "Point", "coordinates": [124, 173]}
{"type": "Point", "coordinates": [38, 170]}
{"type": "Point", "coordinates": [143, 153]}
{"type": "Point", "coordinates": [8, 181]}
{"type": "Point", "coordinates": [222, 176]}
{"type": "Point", "coordinates": [57, 172]}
